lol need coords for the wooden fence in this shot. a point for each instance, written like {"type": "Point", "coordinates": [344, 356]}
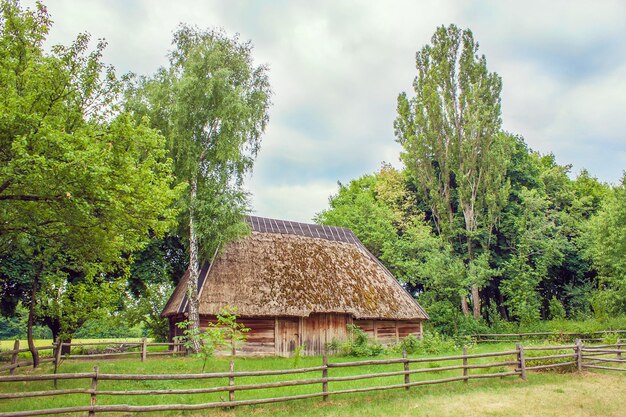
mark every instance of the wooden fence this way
{"type": "Point", "coordinates": [563, 336]}
{"type": "Point", "coordinates": [510, 363]}
{"type": "Point", "coordinates": [114, 350]}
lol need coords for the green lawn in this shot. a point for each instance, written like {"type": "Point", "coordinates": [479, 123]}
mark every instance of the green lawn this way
{"type": "Point", "coordinates": [392, 402]}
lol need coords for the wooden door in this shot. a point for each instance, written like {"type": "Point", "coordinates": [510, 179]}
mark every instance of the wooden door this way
{"type": "Point", "coordinates": [287, 335]}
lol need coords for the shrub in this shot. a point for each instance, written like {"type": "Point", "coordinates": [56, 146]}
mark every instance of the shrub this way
{"type": "Point", "coordinates": [555, 309]}
{"type": "Point", "coordinates": [358, 344]}
{"type": "Point", "coordinates": [410, 344]}
{"type": "Point", "coordinates": [433, 343]}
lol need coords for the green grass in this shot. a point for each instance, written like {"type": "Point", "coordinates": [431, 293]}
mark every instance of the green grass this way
{"type": "Point", "coordinates": [392, 402]}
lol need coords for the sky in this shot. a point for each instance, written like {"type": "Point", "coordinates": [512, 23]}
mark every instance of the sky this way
{"type": "Point", "coordinates": [336, 68]}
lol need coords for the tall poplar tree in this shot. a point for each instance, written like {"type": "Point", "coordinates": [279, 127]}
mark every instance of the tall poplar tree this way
{"type": "Point", "coordinates": [212, 104]}
{"type": "Point", "coordinates": [450, 132]}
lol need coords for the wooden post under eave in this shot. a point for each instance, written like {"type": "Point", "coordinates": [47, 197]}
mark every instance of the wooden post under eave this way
{"type": "Point", "coordinates": [521, 361]}
{"type": "Point", "coordinates": [14, 357]}
{"type": "Point", "coordinates": [465, 370]}
{"type": "Point", "coordinates": [325, 377]}
{"type": "Point", "coordinates": [579, 355]}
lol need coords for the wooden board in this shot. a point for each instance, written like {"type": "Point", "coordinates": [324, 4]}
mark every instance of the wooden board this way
{"type": "Point", "coordinates": [320, 329]}
{"type": "Point", "coordinates": [287, 335]}
{"type": "Point", "coordinates": [260, 339]}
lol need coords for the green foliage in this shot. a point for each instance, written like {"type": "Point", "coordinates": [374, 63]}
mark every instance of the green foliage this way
{"type": "Point", "coordinates": [556, 311]}
{"type": "Point", "coordinates": [81, 182]}
{"type": "Point", "coordinates": [211, 104]}
{"type": "Point", "coordinates": [233, 333]}
{"type": "Point", "coordinates": [358, 344]}
{"type": "Point", "coordinates": [410, 344]}
{"type": "Point", "coordinates": [604, 239]}
{"type": "Point", "coordinates": [297, 355]}
{"type": "Point", "coordinates": [453, 148]}
{"type": "Point", "coordinates": [224, 333]}
{"type": "Point", "coordinates": [107, 327]}
{"type": "Point", "coordinates": [433, 343]}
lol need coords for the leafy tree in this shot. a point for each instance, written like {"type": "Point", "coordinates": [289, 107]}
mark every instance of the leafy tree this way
{"type": "Point", "coordinates": [453, 148]}
{"type": "Point", "coordinates": [212, 105]}
{"type": "Point", "coordinates": [605, 244]}
{"type": "Point", "coordinates": [80, 182]}
{"type": "Point", "coordinates": [154, 272]}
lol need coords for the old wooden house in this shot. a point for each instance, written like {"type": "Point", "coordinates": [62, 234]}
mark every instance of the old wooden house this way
{"type": "Point", "coordinates": [296, 284]}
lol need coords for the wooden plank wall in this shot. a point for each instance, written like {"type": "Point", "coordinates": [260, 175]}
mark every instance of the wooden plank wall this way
{"type": "Point", "coordinates": [387, 332]}
{"type": "Point", "coordinates": [281, 335]}
{"type": "Point", "coordinates": [287, 335]}
{"type": "Point", "coordinates": [261, 336]}
{"type": "Point", "coordinates": [319, 329]}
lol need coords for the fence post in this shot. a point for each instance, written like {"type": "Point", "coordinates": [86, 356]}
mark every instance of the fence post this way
{"type": "Point", "coordinates": [325, 377]}
{"type": "Point", "coordinates": [619, 348]}
{"type": "Point", "coordinates": [144, 349]}
{"type": "Point", "coordinates": [465, 370]}
{"type": "Point", "coordinates": [231, 382]}
{"type": "Point", "coordinates": [579, 355]}
{"type": "Point", "coordinates": [521, 360]}
{"type": "Point", "coordinates": [407, 377]}
{"type": "Point", "coordinates": [14, 357]}
{"type": "Point", "coordinates": [57, 359]}
{"type": "Point", "coordinates": [94, 387]}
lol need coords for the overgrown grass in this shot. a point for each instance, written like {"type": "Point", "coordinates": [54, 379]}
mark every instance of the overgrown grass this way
{"type": "Point", "coordinates": [391, 402]}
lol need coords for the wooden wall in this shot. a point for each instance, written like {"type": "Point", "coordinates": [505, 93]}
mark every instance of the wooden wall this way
{"type": "Point", "coordinates": [281, 335]}
{"type": "Point", "coordinates": [319, 329]}
{"type": "Point", "coordinates": [389, 331]}
{"type": "Point", "coordinates": [260, 340]}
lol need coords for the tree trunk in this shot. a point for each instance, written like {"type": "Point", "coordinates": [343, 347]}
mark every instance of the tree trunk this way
{"type": "Point", "coordinates": [474, 287]}
{"type": "Point", "coordinates": [476, 301]}
{"type": "Point", "coordinates": [503, 312]}
{"type": "Point", "coordinates": [465, 307]}
{"type": "Point", "coordinates": [54, 324]}
{"type": "Point", "coordinates": [31, 321]}
{"type": "Point", "coordinates": [192, 283]}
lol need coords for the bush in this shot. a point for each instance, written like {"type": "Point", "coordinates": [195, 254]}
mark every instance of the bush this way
{"type": "Point", "coordinates": [433, 343]}
{"type": "Point", "coordinates": [358, 344]}
{"type": "Point", "coordinates": [410, 344]}
{"type": "Point", "coordinates": [555, 309]}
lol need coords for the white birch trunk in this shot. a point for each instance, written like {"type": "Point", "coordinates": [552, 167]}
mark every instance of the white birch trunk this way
{"type": "Point", "coordinates": [192, 283]}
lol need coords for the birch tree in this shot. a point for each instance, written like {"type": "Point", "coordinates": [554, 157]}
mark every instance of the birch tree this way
{"type": "Point", "coordinates": [212, 104]}
{"type": "Point", "coordinates": [450, 133]}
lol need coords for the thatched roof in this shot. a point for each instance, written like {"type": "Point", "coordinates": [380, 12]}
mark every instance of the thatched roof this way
{"type": "Point", "coordinates": [294, 269]}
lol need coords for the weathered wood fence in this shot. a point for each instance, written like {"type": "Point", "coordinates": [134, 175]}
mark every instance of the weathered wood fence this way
{"type": "Point", "coordinates": [563, 336]}
{"type": "Point", "coordinates": [511, 363]}
{"type": "Point", "coordinates": [114, 350]}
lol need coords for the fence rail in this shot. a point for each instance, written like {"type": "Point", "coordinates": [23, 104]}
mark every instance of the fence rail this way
{"type": "Point", "coordinates": [581, 357]}
{"type": "Point", "coordinates": [56, 357]}
{"type": "Point", "coordinates": [518, 337]}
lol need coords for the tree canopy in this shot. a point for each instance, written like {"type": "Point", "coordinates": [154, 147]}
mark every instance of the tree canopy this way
{"type": "Point", "coordinates": [453, 147]}
{"type": "Point", "coordinates": [81, 182]}
{"type": "Point", "coordinates": [212, 105]}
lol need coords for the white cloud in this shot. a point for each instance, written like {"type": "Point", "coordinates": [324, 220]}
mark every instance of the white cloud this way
{"type": "Point", "coordinates": [336, 68]}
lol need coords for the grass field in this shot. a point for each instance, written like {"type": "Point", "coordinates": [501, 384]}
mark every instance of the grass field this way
{"type": "Point", "coordinates": [593, 393]}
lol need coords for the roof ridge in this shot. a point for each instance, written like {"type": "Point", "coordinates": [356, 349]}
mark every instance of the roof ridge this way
{"type": "Point", "coordinates": [332, 233]}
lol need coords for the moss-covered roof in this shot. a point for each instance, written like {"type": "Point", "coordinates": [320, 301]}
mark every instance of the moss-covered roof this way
{"type": "Point", "coordinates": [289, 272]}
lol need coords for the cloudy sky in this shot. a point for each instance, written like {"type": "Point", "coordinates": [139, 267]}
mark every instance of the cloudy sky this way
{"type": "Point", "coordinates": [336, 68]}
